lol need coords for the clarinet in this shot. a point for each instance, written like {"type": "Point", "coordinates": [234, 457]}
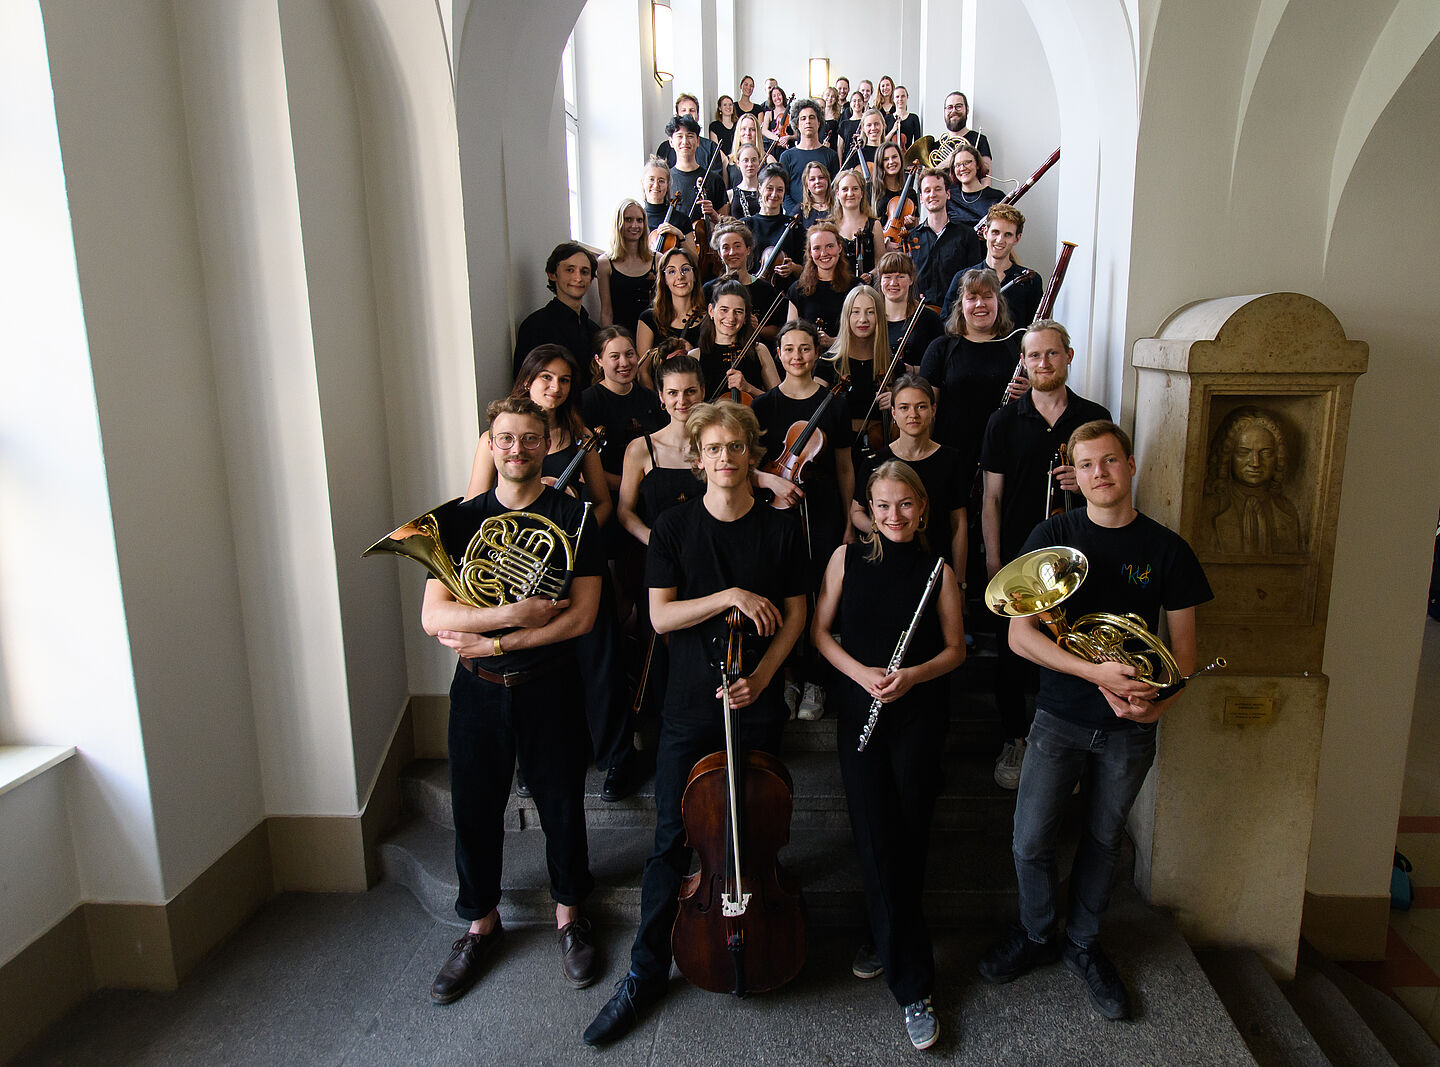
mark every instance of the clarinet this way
{"type": "Point", "coordinates": [900, 649]}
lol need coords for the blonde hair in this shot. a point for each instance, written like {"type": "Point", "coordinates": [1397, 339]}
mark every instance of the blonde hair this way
{"type": "Point", "coordinates": [734, 417]}
{"type": "Point", "coordinates": [894, 470]}
{"type": "Point", "coordinates": [879, 343]}
{"type": "Point", "coordinates": [618, 251]}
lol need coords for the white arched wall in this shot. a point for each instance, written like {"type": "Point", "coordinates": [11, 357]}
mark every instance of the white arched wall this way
{"type": "Point", "coordinates": [1242, 145]}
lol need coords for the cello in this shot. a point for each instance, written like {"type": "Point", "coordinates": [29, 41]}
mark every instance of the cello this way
{"type": "Point", "coordinates": [741, 924]}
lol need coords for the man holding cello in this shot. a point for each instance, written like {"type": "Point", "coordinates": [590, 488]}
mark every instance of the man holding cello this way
{"type": "Point", "coordinates": [717, 552]}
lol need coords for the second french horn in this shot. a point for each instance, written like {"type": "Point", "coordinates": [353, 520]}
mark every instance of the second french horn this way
{"type": "Point", "coordinates": [1038, 582]}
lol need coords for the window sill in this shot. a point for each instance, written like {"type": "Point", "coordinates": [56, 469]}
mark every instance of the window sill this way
{"type": "Point", "coordinates": [20, 763]}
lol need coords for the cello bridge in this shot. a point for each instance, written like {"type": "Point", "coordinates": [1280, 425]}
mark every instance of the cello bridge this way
{"type": "Point", "coordinates": [728, 906]}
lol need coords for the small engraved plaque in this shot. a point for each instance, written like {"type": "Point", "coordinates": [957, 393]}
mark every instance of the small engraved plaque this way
{"type": "Point", "coordinates": [1248, 711]}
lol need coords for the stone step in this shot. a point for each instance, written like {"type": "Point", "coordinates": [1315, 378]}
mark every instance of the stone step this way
{"type": "Point", "coordinates": [971, 875]}
{"type": "Point", "coordinates": [1337, 1027]}
{"type": "Point", "coordinates": [970, 800]}
{"type": "Point", "coordinates": [1274, 1032]}
{"type": "Point", "coordinates": [1404, 1038]}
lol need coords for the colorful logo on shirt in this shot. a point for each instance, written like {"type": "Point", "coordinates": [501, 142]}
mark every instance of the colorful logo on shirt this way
{"type": "Point", "coordinates": [1137, 574]}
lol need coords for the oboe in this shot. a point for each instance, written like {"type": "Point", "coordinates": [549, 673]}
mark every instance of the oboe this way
{"type": "Point", "coordinates": [900, 649]}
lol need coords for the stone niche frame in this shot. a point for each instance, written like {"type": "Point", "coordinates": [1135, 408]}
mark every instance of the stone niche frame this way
{"type": "Point", "coordinates": [1288, 354]}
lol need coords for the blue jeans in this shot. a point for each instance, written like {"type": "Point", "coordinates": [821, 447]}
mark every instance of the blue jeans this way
{"type": "Point", "coordinates": [1058, 753]}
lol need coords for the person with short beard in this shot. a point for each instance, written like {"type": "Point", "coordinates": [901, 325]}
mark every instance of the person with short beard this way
{"type": "Point", "coordinates": [569, 273]}
{"type": "Point", "coordinates": [517, 698]}
{"type": "Point", "coordinates": [1018, 456]}
{"type": "Point", "coordinates": [957, 121]}
{"type": "Point", "coordinates": [806, 116]}
{"type": "Point", "coordinates": [943, 246]}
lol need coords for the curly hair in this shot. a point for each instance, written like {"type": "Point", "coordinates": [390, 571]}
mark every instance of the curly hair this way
{"type": "Point", "coordinates": [1227, 438]}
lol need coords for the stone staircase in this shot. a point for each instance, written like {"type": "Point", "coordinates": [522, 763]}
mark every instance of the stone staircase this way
{"type": "Point", "coordinates": [1325, 1017]}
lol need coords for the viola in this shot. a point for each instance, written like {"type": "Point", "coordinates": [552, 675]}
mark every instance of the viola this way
{"type": "Point", "coordinates": [741, 925]}
{"type": "Point", "coordinates": [804, 442]}
{"type": "Point", "coordinates": [771, 259]}
{"type": "Point", "coordinates": [661, 241]}
{"type": "Point", "coordinates": [596, 440]}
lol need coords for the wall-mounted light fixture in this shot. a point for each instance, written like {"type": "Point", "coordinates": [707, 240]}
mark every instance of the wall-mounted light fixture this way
{"type": "Point", "coordinates": [819, 77]}
{"type": "Point", "coordinates": [662, 31]}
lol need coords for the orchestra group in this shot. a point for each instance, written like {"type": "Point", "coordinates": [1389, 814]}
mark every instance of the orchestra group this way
{"type": "Point", "coordinates": [823, 405]}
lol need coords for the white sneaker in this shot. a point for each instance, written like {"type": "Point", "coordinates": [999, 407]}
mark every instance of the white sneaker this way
{"type": "Point", "coordinates": [792, 697]}
{"type": "Point", "coordinates": [812, 703]}
{"type": "Point", "coordinates": [1007, 767]}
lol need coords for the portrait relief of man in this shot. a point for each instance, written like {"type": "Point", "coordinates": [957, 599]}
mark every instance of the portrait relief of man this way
{"type": "Point", "coordinates": [1247, 510]}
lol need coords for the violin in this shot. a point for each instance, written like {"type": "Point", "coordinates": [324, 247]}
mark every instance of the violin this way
{"type": "Point", "coordinates": [771, 259]}
{"type": "Point", "coordinates": [710, 265]}
{"type": "Point", "coordinates": [595, 441]}
{"type": "Point", "coordinates": [738, 395]}
{"type": "Point", "coordinates": [876, 431]}
{"type": "Point", "coordinates": [900, 208]}
{"type": "Point", "coordinates": [662, 240]}
{"type": "Point", "coordinates": [804, 442]}
{"type": "Point", "coordinates": [741, 925]}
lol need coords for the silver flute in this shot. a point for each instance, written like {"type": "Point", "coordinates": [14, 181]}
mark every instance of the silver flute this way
{"type": "Point", "coordinates": [900, 648]}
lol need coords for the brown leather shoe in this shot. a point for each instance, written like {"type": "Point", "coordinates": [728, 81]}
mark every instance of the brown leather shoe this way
{"type": "Point", "coordinates": [577, 953]}
{"type": "Point", "coordinates": [463, 967]}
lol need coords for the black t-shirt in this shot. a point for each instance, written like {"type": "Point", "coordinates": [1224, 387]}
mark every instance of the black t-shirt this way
{"type": "Point", "coordinates": [696, 554]}
{"type": "Point", "coordinates": [1141, 567]}
{"type": "Point", "coordinates": [823, 306]}
{"type": "Point", "coordinates": [926, 331]}
{"type": "Point", "coordinates": [768, 230]}
{"type": "Point", "coordinates": [744, 203]}
{"type": "Point", "coordinates": [776, 413]}
{"type": "Point", "coordinates": [565, 511]}
{"type": "Point", "coordinates": [655, 215]}
{"type": "Point", "coordinates": [624, 418]}
{"type": "Point", "coordinates": [683, 182]}
{"type": "Point", "coordinates": [980, 141]}
{"type": "Point", "coordinates": [1022, 297]}
{"type": "Point", "coordinates": [556, 324]}
{"type": "Point", "coordinates": [969, 379]}
{"type": "Point", "coordinates": [1020, 445]}
{"type": "Point", "coordinates": [761, 295]}
{"type": "Point", "coordinates": [849, 130]}
{"type": "Point", "coordinates": [794, 161]}
{"type": "Point", "coordinates": [829, 129]}
{"type": "Point", "coordinates": [910, 128]}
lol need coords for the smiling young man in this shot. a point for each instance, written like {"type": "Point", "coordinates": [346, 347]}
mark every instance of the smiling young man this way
{"type": "Point", "coordinates": [719, 551]}
{"type": "Point", "coordinates": [688, 106]}
{"type": "Point", "coordinates": [1017, 456]}
{"type": "Point", "coordinates": [1092, 720]}
{"type": "Point", "coordinates": [943, 245]}
{"type": "Point", "coordinates": [516, 697]}
{"type": "Point", "coordinates": [569, 273]}
{"type": "Point", "coordinates": [688, 175]}
{"type": "Point", "coordinates": [1020, 287]}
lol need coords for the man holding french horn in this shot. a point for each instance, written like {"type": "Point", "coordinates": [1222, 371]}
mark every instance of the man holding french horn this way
{"type": "Point", "coordinates": [517, 696]}
{"type": "Point", "coordinates": [1095, 718]}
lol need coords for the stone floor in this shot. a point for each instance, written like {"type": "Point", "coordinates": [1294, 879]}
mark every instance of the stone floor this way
{"type": "Point", "coordinates": [343, 979]}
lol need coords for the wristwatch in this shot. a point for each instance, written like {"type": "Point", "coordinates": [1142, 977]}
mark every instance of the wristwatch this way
{"type": "Point", "coordinates": [495, 649]}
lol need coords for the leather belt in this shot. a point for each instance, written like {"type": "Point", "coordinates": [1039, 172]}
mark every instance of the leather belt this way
{"type": "Point", "coordinates": [509, 680]}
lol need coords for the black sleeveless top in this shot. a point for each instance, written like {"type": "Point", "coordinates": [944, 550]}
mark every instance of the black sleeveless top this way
{"type": "Point", "coordinates": [630, 295]}
{"type": "Point", "coordinates": [860, 251]}
{"type": "Point", "coordinates": [877, 602]}
{"type": "Point", "coordinates": [664, 487]}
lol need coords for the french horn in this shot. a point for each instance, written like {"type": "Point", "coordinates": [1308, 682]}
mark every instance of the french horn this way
{"type": "Point", "coordinates": [511, 557]}
{"type": "Point", "coordinates": [1038, 582]}
{"type": "Point", "coordinates": [928, 152]}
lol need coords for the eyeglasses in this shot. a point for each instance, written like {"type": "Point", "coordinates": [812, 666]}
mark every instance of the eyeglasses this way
{"type": "Point", "coordinates": [671, 272]}
{"type": "Point", "coordinates": [528, 441]}
{"type": "Point", "coordinates": [715, 451]}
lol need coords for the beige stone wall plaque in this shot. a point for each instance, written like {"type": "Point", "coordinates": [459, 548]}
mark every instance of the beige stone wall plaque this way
{"type": "Point", "coordinates": [1248, 711]}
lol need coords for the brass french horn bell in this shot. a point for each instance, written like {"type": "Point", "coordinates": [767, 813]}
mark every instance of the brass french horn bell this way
{"type": "Point", "coordinates": [919, 153]}
{"type": "Point", "coordinates": [512, 556]}
{"type": "Point", "coordinates": [1038, 582]}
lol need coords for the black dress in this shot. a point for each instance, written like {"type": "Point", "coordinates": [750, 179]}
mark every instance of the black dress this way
{"type": "Point", "coordinates": [690, 333]}
{"type": "Point", "coordinates": [969, 379]}
{"type": "Point", "coordinates": [630, 294]}
{"type": "Point", "coordinates": [664, 487]}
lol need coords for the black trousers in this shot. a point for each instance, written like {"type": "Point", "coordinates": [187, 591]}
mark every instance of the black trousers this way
{"type": "Point", "coordinates": [686, 738]}
{"type": "Point", "coordinates": [540, 724]}
{"type": "Point", "coordinates": [607, 706]}
{"type": "Point", "coordinates": [1011, 672]}
{"type": "Point", "coordinates": [891, 788]}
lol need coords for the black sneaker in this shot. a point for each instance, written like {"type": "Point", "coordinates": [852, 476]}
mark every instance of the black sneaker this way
{"type": "Point", "coordinates": [867, 963]}
{"type": "Point", "coordinates": [1016, 955]}
{"type": "Point", "coordinates": [1107, 991]}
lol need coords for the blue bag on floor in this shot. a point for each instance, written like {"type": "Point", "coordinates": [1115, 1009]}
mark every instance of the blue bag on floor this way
{"type": "Point", "coordinates": [1402, 894]}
